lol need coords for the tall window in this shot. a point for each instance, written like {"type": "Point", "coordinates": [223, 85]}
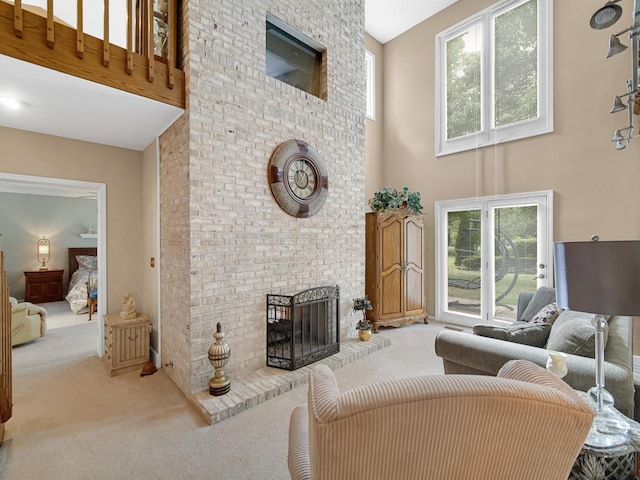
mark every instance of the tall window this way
{"type": "Point", "coordinates": [494, 76]}
{"type": "Point", "coordinates": [370, 61]}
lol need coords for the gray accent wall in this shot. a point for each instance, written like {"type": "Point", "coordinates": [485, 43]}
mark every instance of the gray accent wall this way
{"type": "Point", "coordinates": [25, 218]}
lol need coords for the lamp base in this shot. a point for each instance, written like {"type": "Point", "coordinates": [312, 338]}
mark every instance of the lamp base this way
{"type": "Point", "coordinates": [607, 430]}
{"type": "Point", "coordinates": [600, 397]}
{"type": "Point", "coordinates": [609, 427]}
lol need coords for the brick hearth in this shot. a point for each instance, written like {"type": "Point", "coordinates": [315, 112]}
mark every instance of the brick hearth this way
{"type": "Point", "coordinates": [268, 382]}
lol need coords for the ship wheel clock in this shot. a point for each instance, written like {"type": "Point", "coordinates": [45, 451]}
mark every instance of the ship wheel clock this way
{"type": "Point", "coordinates": [298, 178]}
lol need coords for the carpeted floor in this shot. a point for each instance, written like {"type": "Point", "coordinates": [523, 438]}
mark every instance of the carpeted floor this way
{"type": "Point", "coordinates": [71, 421]}
{"type": "Point", "coordinates": [59, 315]}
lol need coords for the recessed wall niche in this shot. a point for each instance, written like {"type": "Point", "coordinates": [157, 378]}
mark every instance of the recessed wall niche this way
{"type": "Point", "coordinates": [294, 58]}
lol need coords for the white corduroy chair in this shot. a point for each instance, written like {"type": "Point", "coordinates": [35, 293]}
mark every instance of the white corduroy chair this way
{"type": "Point", "coordinates": [524, 424]}
{"type": "Point", "coordinates": [28, 322]}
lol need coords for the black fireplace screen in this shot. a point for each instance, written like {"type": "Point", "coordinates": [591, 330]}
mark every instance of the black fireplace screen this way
{"type": "Point", "coordinates": [303, 328]}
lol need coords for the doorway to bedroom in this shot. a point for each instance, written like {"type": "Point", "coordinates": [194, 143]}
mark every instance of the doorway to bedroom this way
{"type": "Point", "coordinates": [71, 216]}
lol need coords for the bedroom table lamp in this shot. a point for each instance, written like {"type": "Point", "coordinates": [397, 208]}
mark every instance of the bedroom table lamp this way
{"type": "Point", "coordinates": [44, 249]}
{"type": "Point", "coordinates": [602, 278]}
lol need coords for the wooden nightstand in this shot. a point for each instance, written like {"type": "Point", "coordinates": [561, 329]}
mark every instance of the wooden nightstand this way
{"type": "Point", "coordinates": [43, 286]}
{"type": "Point", "coordinates": [126, 343]}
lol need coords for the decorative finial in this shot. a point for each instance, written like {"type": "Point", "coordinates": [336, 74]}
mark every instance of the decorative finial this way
{"type": "Point", "coordinates": [219, 354]}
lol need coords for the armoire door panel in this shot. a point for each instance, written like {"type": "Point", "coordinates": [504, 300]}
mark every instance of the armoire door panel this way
{"type": "Point", "coordinates": [390, 238]}
{"type": "Point", "coordinates": [391, 294]}
{"type": "Point", "coordinates": [413, 244]}
{"type": "Point", "coordinates": [414, 292]}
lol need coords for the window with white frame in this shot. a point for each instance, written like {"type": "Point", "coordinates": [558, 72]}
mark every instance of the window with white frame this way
{"type": "Point", "coordinates": [494, 76]}
{"type": "Point", "coordinates": [370, 61]}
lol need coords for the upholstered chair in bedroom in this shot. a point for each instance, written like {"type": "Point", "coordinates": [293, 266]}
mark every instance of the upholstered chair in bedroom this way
{"type": "Point", "coordinates": [524, 424]}
{"type": "Point", "coordinates": [28, 321]}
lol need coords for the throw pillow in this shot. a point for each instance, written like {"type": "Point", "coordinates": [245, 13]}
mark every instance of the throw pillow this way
{"type": "Point", "coordinates": [524, 333]}
{"type": "Point", "coordinates": [543, 296]}
{"type": "Point", "coordinates": [87, 262]}
{"type": "Point", "coordinates": [547, 314]}
{"type": "Point", "coordinates": [574, 333]}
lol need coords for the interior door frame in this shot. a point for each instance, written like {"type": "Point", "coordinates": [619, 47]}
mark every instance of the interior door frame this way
{"type": "Point", "coordinates": [544, 199]}
{"type": "Point", "coordinates": [101, 194]}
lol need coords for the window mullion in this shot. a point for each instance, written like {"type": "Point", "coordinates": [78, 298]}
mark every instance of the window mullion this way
{"type": "Point", "coordinates": [488, 87]}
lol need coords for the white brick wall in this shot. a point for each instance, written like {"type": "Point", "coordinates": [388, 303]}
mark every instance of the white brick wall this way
{"type": "Point", "coordinates": [237, 245]}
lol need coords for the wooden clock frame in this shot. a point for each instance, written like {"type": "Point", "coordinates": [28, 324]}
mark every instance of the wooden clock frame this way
{"type": "Point", "coordinates": [282, 160]}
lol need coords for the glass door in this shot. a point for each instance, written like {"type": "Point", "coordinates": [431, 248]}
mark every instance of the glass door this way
{"type": "Point", "coordinates": [488, 250]}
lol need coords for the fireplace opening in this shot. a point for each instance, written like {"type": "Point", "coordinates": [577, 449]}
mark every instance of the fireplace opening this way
{"type": "Point", "coordinates": [303, 328]}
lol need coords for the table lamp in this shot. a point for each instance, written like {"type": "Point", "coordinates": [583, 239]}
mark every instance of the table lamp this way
{"type": "Point", "coordinates": [44, 250]}
{"type": "Point", "coordinates": [602, 278]}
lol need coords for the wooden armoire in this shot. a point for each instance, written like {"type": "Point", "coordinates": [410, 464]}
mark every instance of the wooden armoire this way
{"type": "Point", "coordinates": [394, 276]}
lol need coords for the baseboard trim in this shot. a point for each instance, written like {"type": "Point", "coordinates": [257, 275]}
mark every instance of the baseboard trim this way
{"type": "Point", "coordinates": [155, 358]}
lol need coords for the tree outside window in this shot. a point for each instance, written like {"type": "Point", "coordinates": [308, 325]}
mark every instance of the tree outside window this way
{"type": "Point", "coordinates": [494, 76]}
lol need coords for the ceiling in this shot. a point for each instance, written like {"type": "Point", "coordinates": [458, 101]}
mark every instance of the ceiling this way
{"type": "Point", "coordinates": [386, 19]}
{"type": "Point", "coordinates": [70, 107]}
{"type": "Point", "coordinates": [66, 106]}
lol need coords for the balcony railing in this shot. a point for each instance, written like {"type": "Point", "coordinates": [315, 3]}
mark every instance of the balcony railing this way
{"type": "Point", "coordinates": [144, 65]}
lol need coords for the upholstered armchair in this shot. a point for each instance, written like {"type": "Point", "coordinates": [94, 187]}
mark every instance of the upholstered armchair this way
{"type": "Point", "coordinates": [28, 321]}
{"type": "Point", "coordinates": [524, 424]}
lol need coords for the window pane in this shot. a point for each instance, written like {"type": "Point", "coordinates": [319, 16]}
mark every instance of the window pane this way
{"type": "Point", "coordinates": [464, 84]}
{"type": "Point", "coordinates": [463, 265]}
{"type": "Point", "coordinates": [516, 64]}
{"type": "Point", "coordinates": [515, 256]}
{"type": "Point", "coordinates": [370, 61]}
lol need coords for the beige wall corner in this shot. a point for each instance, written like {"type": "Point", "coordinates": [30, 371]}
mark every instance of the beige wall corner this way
{"type": "Point", "coordinates": [150, 272]}
{"type": "Point", "coordinates": [595, 187]}
{"type": "Point", "coordinates": [120, 169]}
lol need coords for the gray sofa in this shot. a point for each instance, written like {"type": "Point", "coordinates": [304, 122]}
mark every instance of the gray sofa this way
{"type": "Point", "coordinates": [466, 353]}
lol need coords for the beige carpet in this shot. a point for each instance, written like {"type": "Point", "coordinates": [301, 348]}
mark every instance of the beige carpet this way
{"type": "Point", "coordinates": [59, 315]}
{"type": "Point", "coordinates": [71, 421]}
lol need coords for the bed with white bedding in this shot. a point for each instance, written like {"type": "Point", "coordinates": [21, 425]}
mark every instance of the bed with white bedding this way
{"type": "Point", "coordinates": [83, 267]}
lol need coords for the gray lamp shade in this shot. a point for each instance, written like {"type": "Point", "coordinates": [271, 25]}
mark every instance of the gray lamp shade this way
{"type": "Point", "coordinates": [598, 277]}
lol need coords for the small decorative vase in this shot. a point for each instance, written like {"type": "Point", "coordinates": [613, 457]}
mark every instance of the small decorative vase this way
{"type": "Point", "coordinates": [364, 335]}
{"type": "Point", "coordinates": [557, 363]}
{"type": "Point", "coordinates": [219, 354]}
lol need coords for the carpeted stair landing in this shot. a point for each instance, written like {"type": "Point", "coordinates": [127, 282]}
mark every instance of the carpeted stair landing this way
{"type": "Point", "coordinates": [268, 382]}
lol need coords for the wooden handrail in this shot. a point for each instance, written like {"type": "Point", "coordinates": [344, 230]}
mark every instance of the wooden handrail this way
{"type": "Point", "coordinates": [6, 387]}
{"type": "Point", "coordinates": [136, 55]}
